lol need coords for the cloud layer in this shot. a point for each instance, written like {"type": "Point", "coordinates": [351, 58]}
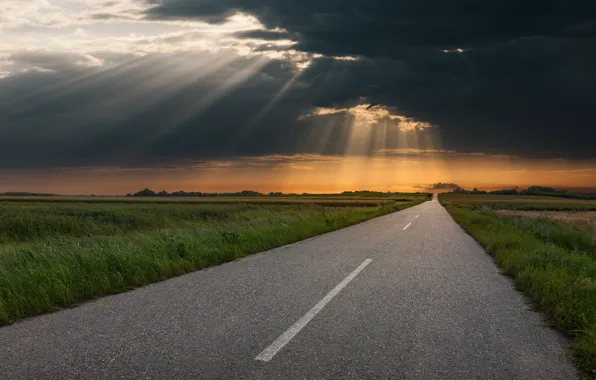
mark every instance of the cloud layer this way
{"type": "Point", "coordinates": [136, 83]}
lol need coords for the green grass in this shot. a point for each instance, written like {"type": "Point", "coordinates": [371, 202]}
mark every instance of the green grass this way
{"type": "Point", "coordinates": [553, 263]}
{"type": "Point", "coordinates": [521, 202]}
{"type": "Point", "coordinates": [54, 255]}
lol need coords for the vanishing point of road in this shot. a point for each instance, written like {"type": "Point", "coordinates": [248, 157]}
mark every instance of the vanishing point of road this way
{"type": "Point", "coordinates": [405, 296]}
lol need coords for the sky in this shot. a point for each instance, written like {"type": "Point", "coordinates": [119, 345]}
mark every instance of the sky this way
{"type": "Point", "coordinates": [110, 96]}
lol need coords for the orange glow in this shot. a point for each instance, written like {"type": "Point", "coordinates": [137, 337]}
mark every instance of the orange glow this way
{"type": "Point", "coordinates": [407, 170]}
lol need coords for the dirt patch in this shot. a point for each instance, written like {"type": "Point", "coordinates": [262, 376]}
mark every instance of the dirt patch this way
{"type": "Point", "coordinates": [584, 219]}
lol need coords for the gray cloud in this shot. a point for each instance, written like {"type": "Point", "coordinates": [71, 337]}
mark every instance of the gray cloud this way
{"type": "Point", "coordinates": [53, 61]}
{"type": "Point", "coordinates": [382, 28]}
{"type": "Point", "coordinates": [161, 109]}
{"type": "Point", "coordinates": [504, 78]}
{"type": "Point", "coordinates": [521, 85]}
{"type": "Point", "coordinates": [266, 34]}
{"type": "Point", "coordinates": [110, 16]}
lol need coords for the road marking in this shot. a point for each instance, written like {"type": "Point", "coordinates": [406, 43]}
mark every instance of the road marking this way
{"type": "Point", "coordinates": [416, 217]}
{"type": "Point", "coordinates": [406, 227]}
{"type": "Point", "coordinates": [269, 352]}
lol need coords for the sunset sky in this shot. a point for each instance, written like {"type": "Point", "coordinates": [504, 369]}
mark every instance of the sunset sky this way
{"type": "Point", "coordinates": [111, 96]}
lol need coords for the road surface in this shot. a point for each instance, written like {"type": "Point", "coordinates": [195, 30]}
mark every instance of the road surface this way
{"type": "Point", "coordinates": [404, 296]}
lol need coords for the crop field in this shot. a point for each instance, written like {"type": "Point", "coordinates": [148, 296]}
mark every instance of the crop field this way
{"type": "Point", "coordinates": [580, 219]}
{"type": "Point", "coordinates": [520, 202]}
{"type": "Point", "coordinates": [58, 253]}
{"type": "Point", "coordinates": [548, 245]}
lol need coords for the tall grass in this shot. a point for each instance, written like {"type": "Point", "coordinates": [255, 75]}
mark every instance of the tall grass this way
{"type": "Point", "coordinates": [56, 255]}
{"type": "Point", "coordinates": [27, 222]}
{"type": "Point", "coordinates": [565, 235]}
{"type": "Point", "coordinates": [552, 263]}
{"type": "Point", "coordinates": [520, 202]}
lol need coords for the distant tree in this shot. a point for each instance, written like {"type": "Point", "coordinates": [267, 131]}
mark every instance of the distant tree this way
{"type": "Point", "coordinates": [144, 193]}
{"type": "Point", "coordinates": [542, 189]}
{"type": "Point", "coordinates": [248, 193]}
{"type": "Point", "coordinates": [552, 192]}
{"type": "Point", "coordinates": [504, 192]}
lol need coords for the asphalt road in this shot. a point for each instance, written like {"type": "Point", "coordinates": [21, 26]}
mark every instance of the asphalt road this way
{"type": "Point", "coordinates": [404, 296]}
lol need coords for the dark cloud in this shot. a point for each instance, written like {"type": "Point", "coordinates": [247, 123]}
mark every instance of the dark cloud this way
{"type": "Point", "coordinates": [385, 28]}
{"type": "Point", "coordinates": [160, 109]}
{"type": "Point", "coordinates": [521, 85]}
{"type": "Point", "coordinates": [443, 186]}
{"type": "Point", "coordinates": [151, 111]}
{"type": "Point", "coordinates": [148, 111]}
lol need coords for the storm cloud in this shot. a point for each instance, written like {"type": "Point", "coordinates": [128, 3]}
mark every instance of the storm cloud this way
{"type": "Point", "coordinates": [503, 76]}
{"type": "Point", "coordinates": [388, 29]}
{"type": "Point", "coordinates": [498, 77]}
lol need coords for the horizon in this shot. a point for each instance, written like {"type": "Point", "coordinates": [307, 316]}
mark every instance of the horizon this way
{"type": "Point", "coordinates": [312, 174]}
{"type": "Point", "coordinates": [416, 189]}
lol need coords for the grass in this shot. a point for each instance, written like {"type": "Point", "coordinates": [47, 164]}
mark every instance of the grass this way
{"type": "Point", "coordinates": [54, 255]}
{"type": "Point", "coordinates": [553, 262]}
{"type": "Point", "coordinates": [521, 202]}
{"type": "Point", "coordinates": [582, 219]}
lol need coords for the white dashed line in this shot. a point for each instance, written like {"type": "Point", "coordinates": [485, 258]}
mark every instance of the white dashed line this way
{"type": "Point", "coordinates": [407, 225]}
{"type": "Point", "coordinates": [268, 353]}
{"type": "Point", "coordinates": [416, 217]}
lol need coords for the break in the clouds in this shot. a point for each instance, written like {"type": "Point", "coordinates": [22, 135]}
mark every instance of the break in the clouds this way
{"type": "Point", "coordinates": [370, 115]}
{"type": "Point", "coordinates": [150, 82]}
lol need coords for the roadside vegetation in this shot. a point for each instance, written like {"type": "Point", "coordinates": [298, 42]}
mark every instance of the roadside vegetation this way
{"type": "Point", "coordinates": [56, 254]}
{"type": "Point", "coordinates": [542, 191]}
{"type": "Point", "coordinates": [548, 245]}
{"type": "Point", "coordinates": [520, 202]}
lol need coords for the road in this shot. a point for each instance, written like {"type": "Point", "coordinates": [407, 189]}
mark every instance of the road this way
{"type": "Point", "coordinates": [404, 296]}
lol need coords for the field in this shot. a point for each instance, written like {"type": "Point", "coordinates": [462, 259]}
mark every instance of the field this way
{"type": "Point", "coordinates": [61, 251]}
{"type": "Point", "coordinates": [548, 245]}
{"type": "Point", "coordinates": [581, 219]}
{"type": "Point", "coordinates": [520, 202]}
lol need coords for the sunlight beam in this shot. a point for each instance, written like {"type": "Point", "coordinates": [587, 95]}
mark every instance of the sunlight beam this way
{"type": "Point", "coordinates": [202, 104]}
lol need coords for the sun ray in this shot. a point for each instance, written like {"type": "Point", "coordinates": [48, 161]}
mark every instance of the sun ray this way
{"type": "Point", "coordinates": [222, 90]}
{"type": "Point", "coordinates": [163, 83]}
{"type": "Point", "coordinates": [278, 96]}
{"type": "Point", "coordinates": [49, 93]}
{"type": "Point", "coordinates": [201, 105]}
{"type": "Point", "coordinates": [246, 129]}
{"type": "Point", "coordinates": [321, 134]}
